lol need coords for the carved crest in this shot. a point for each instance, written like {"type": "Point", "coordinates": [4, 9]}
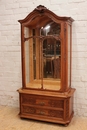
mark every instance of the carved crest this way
{"type": "Point", "coordinates": [40, 8]}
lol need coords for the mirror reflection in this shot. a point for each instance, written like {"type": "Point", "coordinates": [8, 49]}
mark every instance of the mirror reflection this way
{"type": "Point", "coordinates": [51, 29]}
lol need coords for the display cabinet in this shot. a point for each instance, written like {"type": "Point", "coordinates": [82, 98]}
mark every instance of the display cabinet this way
{"type": "Point", "coordinates": [46, 47]}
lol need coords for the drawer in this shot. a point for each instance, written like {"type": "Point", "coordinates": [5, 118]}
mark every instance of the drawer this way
{"type": "Point", "coordinates": [42, 112]}
{"type": "Point", "coordinates": [50, 113]}
{"type": "Point", "coordinates": [50, 103]}
{"type": "Point", "coordinates": [42, 101]}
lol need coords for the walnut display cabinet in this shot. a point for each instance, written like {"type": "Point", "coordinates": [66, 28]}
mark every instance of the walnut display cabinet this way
{"type": "Point", "coordinates": [46, 92]}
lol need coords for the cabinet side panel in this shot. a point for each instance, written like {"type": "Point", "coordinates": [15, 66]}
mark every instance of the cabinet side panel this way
{"type": "Point", "coordinates": [71, 106]}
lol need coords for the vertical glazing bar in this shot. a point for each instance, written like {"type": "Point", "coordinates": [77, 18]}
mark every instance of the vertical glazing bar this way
{"type": "Point", "coordinates": [42, 64]}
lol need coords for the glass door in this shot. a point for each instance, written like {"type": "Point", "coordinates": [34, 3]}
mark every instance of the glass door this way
{"type": "Point", "coordinates": [43, 56]}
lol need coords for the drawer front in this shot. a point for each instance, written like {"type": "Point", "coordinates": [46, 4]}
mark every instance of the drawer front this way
{"type": "Point", "coordinates": [42, 112]}
{"type": "Point", "coordinates": [42, 101]}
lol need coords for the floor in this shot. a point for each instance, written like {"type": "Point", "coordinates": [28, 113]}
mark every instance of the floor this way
{"type": "Point", "coordinates": [9, 120]}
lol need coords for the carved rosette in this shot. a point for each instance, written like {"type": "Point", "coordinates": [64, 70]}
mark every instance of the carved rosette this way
{"type": "Point", "coordinates": [53, 113]}
{"type": "Point", "coordinates": [29, 100]}
{"type": "Point", "coordinates": [29, 110]}
{"type": "Point", "coordinates": [58, 103]}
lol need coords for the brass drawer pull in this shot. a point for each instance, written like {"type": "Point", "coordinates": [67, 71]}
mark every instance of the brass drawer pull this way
{"type": "Point", "coordinates": [42, 103]}
{"type": "Point", "coordinates": [41, 113]}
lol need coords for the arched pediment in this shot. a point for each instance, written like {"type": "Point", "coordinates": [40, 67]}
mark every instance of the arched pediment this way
{"type": "Point", "coordinates": [41, 16]}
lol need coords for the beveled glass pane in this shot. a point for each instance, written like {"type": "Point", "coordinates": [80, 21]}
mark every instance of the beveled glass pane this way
{"type": "Point", "coordinates": [51, 64]}
{"type": "Point", "coordinates": [51, 58]}
{"type": "Point", "coordinates": [32, 61]}
{"type": "Point", "coordinates": [26, 34]}
{"type": "Point", "coordinates": [33, 79]}
{"type": "Point", "coordinates": [69, 59]}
